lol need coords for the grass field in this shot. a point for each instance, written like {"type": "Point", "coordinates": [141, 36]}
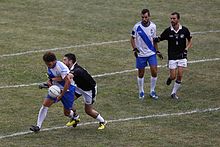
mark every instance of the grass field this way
{"type": "Point", "coordinates": [30, 27]}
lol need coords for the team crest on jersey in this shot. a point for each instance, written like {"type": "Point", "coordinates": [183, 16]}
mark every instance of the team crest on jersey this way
{"type": "Point", "coordinates": [152, 31]}
{"type": "Point", "coordinates": [176, 35]}
{"type": "Point", "coordinates": [182, 36]}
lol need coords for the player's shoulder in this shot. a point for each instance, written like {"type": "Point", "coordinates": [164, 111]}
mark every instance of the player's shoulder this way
{"type": "Point", "coordinates": [185, 28]}
{"type": "Point", "coordinates": [77, 68]}
{"type": "Point", "coordinates": [168, 29]}
{"type": "Point", "coordinates": [61, 64]}
{"type": "Point", "coordinates": [152, 24]}
{"type": "Point", "coordinates": [137, 24]}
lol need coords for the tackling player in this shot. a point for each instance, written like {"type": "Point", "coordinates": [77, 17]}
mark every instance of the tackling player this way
{"type": "Point", "coordinates": [85, 86]}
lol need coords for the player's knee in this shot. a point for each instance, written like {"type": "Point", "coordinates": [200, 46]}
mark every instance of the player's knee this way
{"type": "Point", "coordinates": [154, 74]}
{"type": "Point", "coordinates": [140, 75]}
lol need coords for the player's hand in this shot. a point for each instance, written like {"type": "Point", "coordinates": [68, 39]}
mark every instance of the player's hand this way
{"type": "Point", "coordinates": [43, 85]}
{"type": "Point", "coordinates": [136, 51]}
{"type": "Point", "coordinates": [185, 53]}
{"type": "Point", "coordinates": [58, 98]}
{"type": "Point", "coordinates": [159, 55]}
{"type": "Point", "coordinates": [49, 83]}
{"type": "Point", "coordinates": [156, 39]}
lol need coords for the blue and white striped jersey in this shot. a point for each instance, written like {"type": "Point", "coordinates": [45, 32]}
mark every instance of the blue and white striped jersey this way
{"type": "Point", "coordinates": [59, 70]}
{"type": "Point", "coordinates": [149, 33]}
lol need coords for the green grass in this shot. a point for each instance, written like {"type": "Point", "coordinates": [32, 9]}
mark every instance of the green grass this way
{"type": "Point", "coordinates": [30, 25]}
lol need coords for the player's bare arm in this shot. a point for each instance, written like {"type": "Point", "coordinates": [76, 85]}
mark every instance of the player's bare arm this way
{"type": "Point", "coordinates": [66, 86]}
{"type": "Point", "coordinates": [189, 44]}
{"type": "Point", "coordinates": [159, 54]}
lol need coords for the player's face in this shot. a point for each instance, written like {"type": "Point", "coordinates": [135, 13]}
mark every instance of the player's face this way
{"type": "Point", "coordinates": [50, 64]}
{"type": "Point", "coordinates": [174, 20]}
{"type": "Point", "coordinates": [66, 61]}
{"type": "Point", "coordinates": [145, 18]}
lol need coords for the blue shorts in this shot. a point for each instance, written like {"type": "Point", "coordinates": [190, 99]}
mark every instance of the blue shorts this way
{"type": "Point", "coordinates": [67, 100]}
{"type": "Point", "coordinates": [141, 62]}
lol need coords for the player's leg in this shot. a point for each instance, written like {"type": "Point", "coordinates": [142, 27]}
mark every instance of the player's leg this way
{"type": "Point", "coordinates": [181, 65]}
{"type": "Point", "coordinates": [140, 81]}
{"type": "Point", "coordinates": [93, 113]}
{"type": "Point", "coordinates": [152, 60]}
{"type": "Point", "coordinates": [42, 114]}
{"type": "Point", "coordinates": [89, 99]}
{"type": "Point", "coordinates": [177, 83]}
{"type": "Point", "coordinates": [172, 64]}
{"type": "Point", "coordinates": [69, 109]}
{"type": "Point", "coordinates": [141, 63]}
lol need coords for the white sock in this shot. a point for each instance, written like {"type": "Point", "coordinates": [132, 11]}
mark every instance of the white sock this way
{"type": "Point", "coordinates": [71, 114]}
{"type": "Point", "coordinates": [42, 115]}
{"type": "Point", "coordinates": [176, 86]}
{"type": "Point", "coordinates": [140, 84]}
{"type": "Point", "coordinates": [100, 118]}
{"type": "Point", "coordinates": [153, 82]}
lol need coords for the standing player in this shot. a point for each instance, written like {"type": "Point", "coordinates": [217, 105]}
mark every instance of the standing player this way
{"type": "Point", "coordinates": [145, 51]}
{"type": "Point", "coordinates": [179, 41]}
{"type": "Point", "coordinates": [57, 69]}
{"type": "Point", "coordinates": [86, 87]}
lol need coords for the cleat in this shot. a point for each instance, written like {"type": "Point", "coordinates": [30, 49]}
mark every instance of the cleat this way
{"type": "Point", "coordinates": [73, 122]}
{"type": "Point", "coordinates": [153, 95]}
{"type": "Point", "coordinates": [141, 95]}
{"type": "Point", "coordinates": [77, 121]}
{"type": "Point", "coordinates": [35, 129]}
{"type": "Point", "coordinates": [174, 96]}
{"type": "Point", "coordinates": [168, 81]}
{"type": "Point", "coordinates": [102, 125]}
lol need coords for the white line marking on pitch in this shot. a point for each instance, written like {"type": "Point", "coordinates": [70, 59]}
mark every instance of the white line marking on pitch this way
{"type": "Point", "coordinates": [87, 45]}
{"type": "Point", "coordinates": [109, 74]}
{"type": "Point", "coordinates": [119, 120]}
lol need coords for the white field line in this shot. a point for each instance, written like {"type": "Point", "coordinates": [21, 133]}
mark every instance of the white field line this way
{"type": "Point", "coordinates": [109, 74]}
{"type": "Point", "coordinates": [87, 45]}
{"type": "Point", "coordinates": [119, 120]}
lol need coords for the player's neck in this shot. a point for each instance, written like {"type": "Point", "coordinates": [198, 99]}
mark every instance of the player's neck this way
{"type": "Point", "coordinates": [72, 65]}
{"type": "Point", "coordinates": [176, 27]}
{"type": "Point", "coordinates": [145, 24]}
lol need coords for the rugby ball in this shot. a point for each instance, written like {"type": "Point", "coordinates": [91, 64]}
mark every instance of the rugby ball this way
{"type": "Point", "coordinates": [54, 91]}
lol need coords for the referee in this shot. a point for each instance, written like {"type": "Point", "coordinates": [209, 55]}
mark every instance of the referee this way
{"type": "Point", "coordinates": [179, 41]}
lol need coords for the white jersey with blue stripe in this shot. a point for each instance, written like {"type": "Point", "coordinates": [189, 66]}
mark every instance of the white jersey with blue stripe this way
{"type": "Point", "coordinates": [150, 32]}
{"type": "Point", "coordinates": [60, 70]}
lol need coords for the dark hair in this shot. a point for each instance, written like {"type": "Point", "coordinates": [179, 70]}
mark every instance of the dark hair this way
{"type": "Point", "coordinates": [71, 56]}
{"type": "Point", "coordinates": [177, 14]}
{"type": "Point", "coordinates": [145, 11]}
{"type": "Point", "coordinates": [49, 57]}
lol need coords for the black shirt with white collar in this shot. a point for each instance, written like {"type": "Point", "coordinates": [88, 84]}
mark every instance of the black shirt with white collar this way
{"type": "Point", "coordinates": [82, 78]}
{"type": "Point", "coordinates": [176, 41]}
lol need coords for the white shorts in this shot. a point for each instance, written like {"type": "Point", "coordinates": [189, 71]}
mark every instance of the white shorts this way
{"type": "Point", "coordinates": [88, 96]}
{"type": "Point", "coordinates": [173, 64]}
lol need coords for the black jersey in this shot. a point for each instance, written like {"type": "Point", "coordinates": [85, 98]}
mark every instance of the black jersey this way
{"type": "Point", "coordinates": [82, 78]}
{"type": "Point", "coordinates": [176, 41]}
